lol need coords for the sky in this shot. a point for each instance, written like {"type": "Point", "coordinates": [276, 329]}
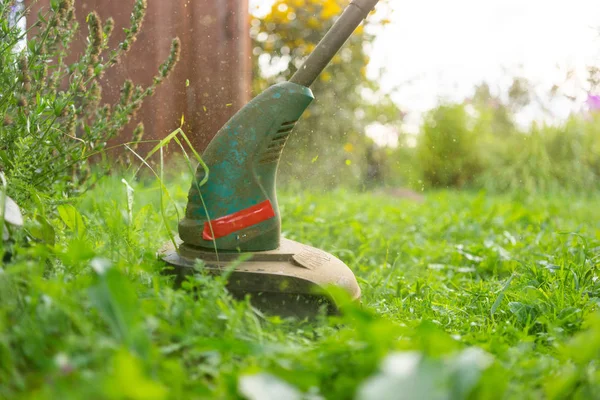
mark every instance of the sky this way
{"type": "Point", "coordinates": [439, 50]}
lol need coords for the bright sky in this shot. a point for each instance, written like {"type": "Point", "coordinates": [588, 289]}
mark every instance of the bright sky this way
{"type": "Point", "coordinates": [440, 49]}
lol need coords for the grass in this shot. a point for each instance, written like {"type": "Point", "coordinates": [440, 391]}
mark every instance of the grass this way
{"type": "Point", "coordinates": [464, 296]}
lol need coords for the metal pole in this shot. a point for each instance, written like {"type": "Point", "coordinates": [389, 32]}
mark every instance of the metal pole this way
{"type": "Point", "coordinates": [339, 33]}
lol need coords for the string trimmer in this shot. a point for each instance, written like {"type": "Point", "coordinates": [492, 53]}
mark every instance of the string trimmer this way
{"type": "Point", "coordinates": [232, 210]}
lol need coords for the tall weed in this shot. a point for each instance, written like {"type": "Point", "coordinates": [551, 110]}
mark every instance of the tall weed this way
{"type": "Point", "coordinates": [53, 116]}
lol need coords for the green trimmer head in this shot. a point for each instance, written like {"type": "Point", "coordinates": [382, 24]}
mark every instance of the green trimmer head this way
{"type": "Point", "coordinates": [232, 210]}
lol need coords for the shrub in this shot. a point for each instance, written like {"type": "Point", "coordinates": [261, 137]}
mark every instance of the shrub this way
{"type": "Point", "coordinates": [447, 149]}
{"type": "Point", "coordinates": [546, 159]}
{"type": "Point", "coordinates": [541, 159]}
{"type": "Point", "coordinates": [53, 119]}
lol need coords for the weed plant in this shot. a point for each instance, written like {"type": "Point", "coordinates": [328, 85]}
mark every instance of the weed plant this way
{"type": "Point", "coordinates": [53, 117]}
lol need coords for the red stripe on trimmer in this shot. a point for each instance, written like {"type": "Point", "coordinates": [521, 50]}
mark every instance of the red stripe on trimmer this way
{"type": "Point", "coordinates": [239, 220]}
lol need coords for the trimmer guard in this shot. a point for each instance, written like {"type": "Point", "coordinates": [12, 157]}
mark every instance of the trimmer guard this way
{"type": "Point", "coordinates": [291, 280]}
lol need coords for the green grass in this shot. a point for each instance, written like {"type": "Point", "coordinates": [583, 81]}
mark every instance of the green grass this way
{"type": "Point", "coordinates": [464, 296]}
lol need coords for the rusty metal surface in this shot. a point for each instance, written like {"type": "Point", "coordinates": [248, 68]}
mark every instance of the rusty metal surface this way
{"type": "Point", "coordinates": [215, 58]}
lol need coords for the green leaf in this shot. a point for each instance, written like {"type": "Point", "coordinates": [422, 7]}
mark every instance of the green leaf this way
{"type": "Point", "coordinates": [42, 230]}
{"type": "Point", "coordinates": [130, 192]}
{"type": "Point", "coordinates": [525, 313]}
{"type": "Point", "coordinates": [115, 299]}
{"type": "Point", "coordinates": [501, 296]}
{"type": "Point", "coordinates": [434, 341]}
{"type": "Point", "coordinates": [497, 303]}
{"type": "Point", "coordinates": [72, 218]}
{"type": "Point", "coordinates": [141, 217]}
{"type": "Point", "coordinates": [129, 381]}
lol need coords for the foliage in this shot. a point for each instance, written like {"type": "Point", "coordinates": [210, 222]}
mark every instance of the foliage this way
{"type": "Point", "coordinates": [53, 119]}
{"type": "Point", "coordinates": [402, 168]}
{"type": "Point", "coordinates": [329, 144]}
{"type": "Point", "coordinates": [477, 145]}
{"type": "Point", "coordinates": [547, 159]}
{"type": "Point", "coordinates": [494, 117]}
{"type": "Point", "coordinates": [447, 149]}
{"type": "Point", "coordinates": [481, 295]}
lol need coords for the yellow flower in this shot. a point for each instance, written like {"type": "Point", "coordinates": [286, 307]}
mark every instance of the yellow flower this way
{"type": "Point", "coordinates": [313, 23]}
{"type": "Point", "coordinates": [348, 147]}
{"type": "Point", "coordinates": [325, 76]}
{"type": "Point", "coordinates": [330, 9]}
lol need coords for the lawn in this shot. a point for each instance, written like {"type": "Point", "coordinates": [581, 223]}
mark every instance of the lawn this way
{"type": "Point", "coordinates": [465, 295]}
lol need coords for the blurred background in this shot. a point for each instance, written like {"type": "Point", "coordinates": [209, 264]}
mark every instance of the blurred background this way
{"type": "Point", "coordinates": [496, 95]}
